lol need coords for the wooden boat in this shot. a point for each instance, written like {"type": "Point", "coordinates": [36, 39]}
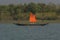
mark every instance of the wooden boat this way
{"type": "Point", "coordinates": [43, 24]}
{"type": "Point", "coordinates": [32, 20]}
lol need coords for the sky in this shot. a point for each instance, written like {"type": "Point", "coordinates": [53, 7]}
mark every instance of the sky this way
{"type": "Point", "coordinates": [6, 2]}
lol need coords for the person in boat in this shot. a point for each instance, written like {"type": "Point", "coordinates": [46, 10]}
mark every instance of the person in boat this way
{"type": "Point", "coordinates": [32, 18]}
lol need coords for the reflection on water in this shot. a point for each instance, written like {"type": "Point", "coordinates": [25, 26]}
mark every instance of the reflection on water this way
{"type": "Point", "coordinates": [14, 32]}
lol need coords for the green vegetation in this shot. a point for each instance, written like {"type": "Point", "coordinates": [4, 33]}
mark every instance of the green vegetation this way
{"type": "Point", "coordinates": [21, 12]}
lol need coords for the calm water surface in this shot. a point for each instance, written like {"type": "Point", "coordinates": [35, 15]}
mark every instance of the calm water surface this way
{"type": "Point", "coordinates": [14, 32]}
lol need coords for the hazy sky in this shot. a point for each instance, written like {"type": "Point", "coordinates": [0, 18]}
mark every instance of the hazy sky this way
{"type": "Point", "coordinates": [27, 1]}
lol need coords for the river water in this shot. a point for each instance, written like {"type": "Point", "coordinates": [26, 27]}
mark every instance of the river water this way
{"type": "Point", "coordinates": [14, 32]}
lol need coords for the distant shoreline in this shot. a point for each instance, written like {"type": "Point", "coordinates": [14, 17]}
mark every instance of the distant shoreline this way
{"type": "Point", "coordinates": [26, 22]}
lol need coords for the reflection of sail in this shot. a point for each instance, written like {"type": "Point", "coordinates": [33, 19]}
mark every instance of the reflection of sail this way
{"type": "Point", "coordinates": [32, 18]}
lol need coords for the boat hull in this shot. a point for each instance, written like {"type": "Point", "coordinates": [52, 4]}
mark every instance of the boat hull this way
{"type": "Point", "coordinates": [31, 24]}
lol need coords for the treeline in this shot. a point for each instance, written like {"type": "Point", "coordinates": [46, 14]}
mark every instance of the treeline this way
{"type": "Point", "coordinates": [21, 11]}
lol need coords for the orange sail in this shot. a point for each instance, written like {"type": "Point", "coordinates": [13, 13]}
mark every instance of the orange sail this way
{"type": "Point", "coordinates": [32, 18]}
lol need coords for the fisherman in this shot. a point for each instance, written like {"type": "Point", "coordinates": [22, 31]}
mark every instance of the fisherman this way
{"type": "Point", "coordinates": [32, 18]}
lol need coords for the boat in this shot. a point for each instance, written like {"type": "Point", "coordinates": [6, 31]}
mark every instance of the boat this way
{"type": "Point", "coordinates": [43, 24]}
{"type": "Point", "coordinates": [32, 21]}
